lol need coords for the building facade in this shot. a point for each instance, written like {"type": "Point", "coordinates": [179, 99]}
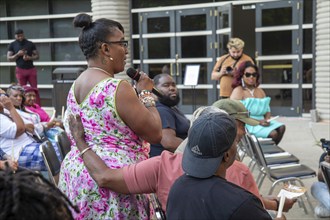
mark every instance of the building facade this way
{"type": "Point", "coordinates": [288, 39]}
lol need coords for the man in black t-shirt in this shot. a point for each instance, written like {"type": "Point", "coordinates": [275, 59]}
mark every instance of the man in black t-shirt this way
{"type": "Point", "coordinates": [175, 125]}
{"type": "Point", "coordinates": [203, 192]}
{"type": "Point", "coordinates": [24, 52]}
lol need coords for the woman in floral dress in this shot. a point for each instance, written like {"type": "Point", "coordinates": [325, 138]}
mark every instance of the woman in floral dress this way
{"type": "Point", "coordinates": [118, 124]}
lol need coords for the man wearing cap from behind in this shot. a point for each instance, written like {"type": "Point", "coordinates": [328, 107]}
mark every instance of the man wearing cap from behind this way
{"type": "Point", "coordinates": [157, 174]}
{"type": "Point", "coordinates": [210, 151]}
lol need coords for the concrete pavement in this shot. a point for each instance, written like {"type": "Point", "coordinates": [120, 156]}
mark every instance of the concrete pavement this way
{"type": "Point", "coordinates": [300, 139]}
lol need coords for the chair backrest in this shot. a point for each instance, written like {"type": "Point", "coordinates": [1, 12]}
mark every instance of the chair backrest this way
{"type": "Point", "coordinates": [325, 168]}
{"type": "Point", "coordinates": [63, 142]}
{"type": "Point", "coordinates": [256, 150]}
{"type": "Point", "coordinates": [51, 160]}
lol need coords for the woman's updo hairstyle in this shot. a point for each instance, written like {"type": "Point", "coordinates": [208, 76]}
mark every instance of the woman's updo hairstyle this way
{"type": "Point", "coordinates": [238, 74]}
{"type": "Point", "coordinates": [93, 34]}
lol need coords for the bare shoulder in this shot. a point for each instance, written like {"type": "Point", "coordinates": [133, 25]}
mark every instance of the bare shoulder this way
{"type": "Point", "coordinates": [238, 93]}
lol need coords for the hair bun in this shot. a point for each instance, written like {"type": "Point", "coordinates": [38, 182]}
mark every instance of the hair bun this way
{"type": "Point", "coordinates": [83, 21]}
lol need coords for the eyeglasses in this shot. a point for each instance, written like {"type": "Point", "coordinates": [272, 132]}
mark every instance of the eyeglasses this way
{"type": "Point", "coordinates": [3, 94]}
{"type": "Point", "coordinates": [16, 87]}
{"type": "Point", "coordinates": [247, 114]}
{"type": "Point", "coordinates": [248, 75]}
{"type": "Point", "coordinates": [123, 43]}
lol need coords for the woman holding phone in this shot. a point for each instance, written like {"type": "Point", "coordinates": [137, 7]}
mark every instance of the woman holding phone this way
{"type": "Point", "coordinates": [246, 88]}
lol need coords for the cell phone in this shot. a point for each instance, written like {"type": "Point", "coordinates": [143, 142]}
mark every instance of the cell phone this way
{"type": "Point", "coordinates": [273, 118]}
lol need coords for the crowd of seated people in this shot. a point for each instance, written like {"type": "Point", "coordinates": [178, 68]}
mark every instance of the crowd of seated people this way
{"type": "Point", "coordinates": [17, 135]}
{"type": "Point", "coordinates": [109, 161]}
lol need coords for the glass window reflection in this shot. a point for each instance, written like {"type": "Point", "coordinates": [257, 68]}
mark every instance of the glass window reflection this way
{"type": "Point", "coordinates": [276, 16]}
{"type": "Point", "coordinates": [281, 43]}
{"type": "Point", "coordinates": [159, 48]}
{"type": "Point", "coordinates": [158, 25]}
{"type": "Point", "coordinates": [193, 46]}
{"type": "Point", "coordinates": [276, 72]}
{"type": "Point", "coordinates": [200, 95]}
{"type": "Point", "coordinates": [279, 97]}
{"type": "Point", "coordinates": [193, 22]}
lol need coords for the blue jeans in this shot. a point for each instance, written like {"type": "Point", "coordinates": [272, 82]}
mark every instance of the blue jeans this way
{"type": "Point", "coordinates": [321, 193]}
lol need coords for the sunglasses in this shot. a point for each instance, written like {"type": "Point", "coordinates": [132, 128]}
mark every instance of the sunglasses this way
{"type": "Point", "coordinates": [247, 114]}
{"type": "Point", "coordinates": [248, 75]}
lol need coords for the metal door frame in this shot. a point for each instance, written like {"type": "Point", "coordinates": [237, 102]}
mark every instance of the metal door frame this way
{"type": "Point", "coordinates": [175, 34]}
{"type": "Point", "coordinates": [295, 56]}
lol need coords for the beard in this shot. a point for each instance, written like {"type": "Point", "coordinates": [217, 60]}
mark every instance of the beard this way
{"type": "Point", "coordinates": [168, 101]}
{"type": "Point", "coordinates": [236, 58]}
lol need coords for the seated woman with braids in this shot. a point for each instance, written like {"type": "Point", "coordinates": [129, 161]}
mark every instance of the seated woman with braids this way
{"type": "Point", "coordinates": [28, 195]}
{"type": "Point", "coordinates": [14, 140]}
{"type": "Point", "coordinates": [246, 88]}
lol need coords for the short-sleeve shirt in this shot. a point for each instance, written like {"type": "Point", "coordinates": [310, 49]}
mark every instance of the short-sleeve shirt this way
{"type": "Point", "coordinates": [227, 80]}
{"type": "Point", "coordinates": [9, 143]}
{"type": "Point", "coordinates": [171, 118]}
{"type": "Point", "coordinates": [212, 198]}
{"type": "Point", "coordinates": [157, 175]}
{"type": "Point", "coordinates": [16, 45]}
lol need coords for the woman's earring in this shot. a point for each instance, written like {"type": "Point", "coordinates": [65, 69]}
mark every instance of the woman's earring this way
{"type": "Point", "coordinates": [243, 83]}
{"type": "Point", "coordinates": [111, 58]}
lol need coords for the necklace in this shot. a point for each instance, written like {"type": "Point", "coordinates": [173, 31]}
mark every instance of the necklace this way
{"type": "Point", "coordinates": [100, 69]}
{"type": "Point", "coordinates": [251, 91]}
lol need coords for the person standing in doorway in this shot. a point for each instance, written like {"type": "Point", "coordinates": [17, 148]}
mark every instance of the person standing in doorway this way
{"type": "Point", "coordinates": [227, 64]}
{"type": "Point", "coordinates": [24, 52]}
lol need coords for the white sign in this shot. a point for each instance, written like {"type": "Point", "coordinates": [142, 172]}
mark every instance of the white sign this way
{"type": "Point", "coordinates": [191, 75]}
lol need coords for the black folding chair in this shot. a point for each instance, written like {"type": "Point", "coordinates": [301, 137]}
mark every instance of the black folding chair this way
{"type": "Point", "coordinates": [63, 142]}
{"type": "Point", "coordinates": [51, 161]}
{"type": "Point", "coordinates": [285, 173]}
{"type": "Point", "coordinates": [272, 159]}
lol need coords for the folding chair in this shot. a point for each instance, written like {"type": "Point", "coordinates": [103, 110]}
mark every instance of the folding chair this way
{"type": "Point", "coordinates": [286, 173]}
{"type": "Point", "coordinates": [51, 161]}
{"type": "Point", "coordinates": [272, 159]}
{"type": "Point", "coordinates": [63, 143]}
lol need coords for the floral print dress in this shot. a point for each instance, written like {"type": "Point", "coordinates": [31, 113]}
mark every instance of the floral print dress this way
{"type": "Point", "coordinates": [112, 140]}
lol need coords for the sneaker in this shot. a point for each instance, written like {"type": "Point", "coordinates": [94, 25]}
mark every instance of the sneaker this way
{"type": "Point", "coordinates": [321, 212]}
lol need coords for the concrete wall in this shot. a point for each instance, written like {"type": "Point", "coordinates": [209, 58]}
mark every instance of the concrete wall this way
{"type": "Point", "coordinates": [118, 11]}
{"type": "Point", "coordinates": [322, 57]}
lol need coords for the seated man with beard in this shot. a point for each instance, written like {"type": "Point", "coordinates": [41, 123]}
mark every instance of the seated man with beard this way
{"type": "Point", "coordinates": [174, 123]}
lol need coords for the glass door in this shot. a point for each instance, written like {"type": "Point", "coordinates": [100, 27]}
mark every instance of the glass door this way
{"type": "Point", "coordinates": [278, 54]}
{"type": "Point", "coordinates": [223, 33]}
{"type": "Point", "coordinates": [174, 39]}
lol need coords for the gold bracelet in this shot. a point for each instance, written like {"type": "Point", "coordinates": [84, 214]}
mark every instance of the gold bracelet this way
{"type": "Point", "coordinates": [84, 151]}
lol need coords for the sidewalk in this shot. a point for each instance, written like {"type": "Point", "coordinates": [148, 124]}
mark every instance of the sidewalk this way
{"type": "Point", "coordinates": [299, 140]}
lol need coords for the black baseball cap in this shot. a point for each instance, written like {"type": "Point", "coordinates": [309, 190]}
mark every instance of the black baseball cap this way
{"type": "Point", "coordinates": [209, 137]}
{"type": "Point", "coordinates": [19, 31]}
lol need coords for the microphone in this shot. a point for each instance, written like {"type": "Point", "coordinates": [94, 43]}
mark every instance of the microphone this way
{"type": "Point", "coordinates": [135, 75]}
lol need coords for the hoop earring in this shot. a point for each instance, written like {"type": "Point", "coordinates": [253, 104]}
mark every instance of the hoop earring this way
{"type": "Point", "coordinates": [243, 83]}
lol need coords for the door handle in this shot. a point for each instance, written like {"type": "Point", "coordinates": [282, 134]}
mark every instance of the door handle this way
{"type": "Point", "coordinates": [177, 64]}
{"type": "Point", "coordinates": [171, 69]}
{"type": "Point", "coordinates": [256, 58]}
